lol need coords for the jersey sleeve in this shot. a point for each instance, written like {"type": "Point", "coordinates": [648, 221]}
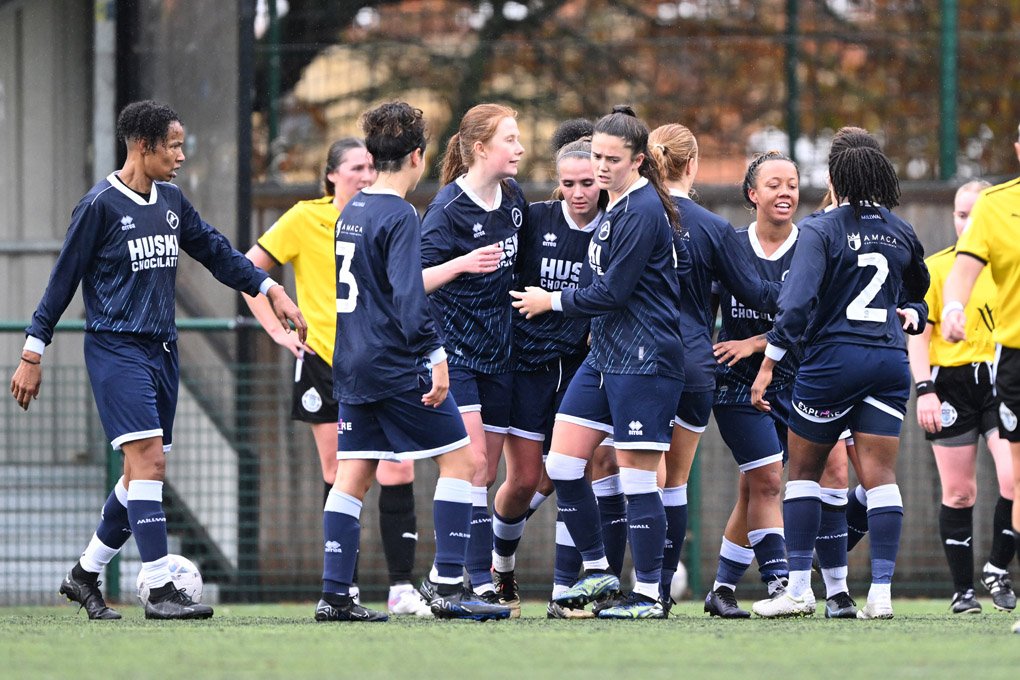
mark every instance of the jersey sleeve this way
{"type": "Point", "coordinates": [212, 249]}
{"type": "Point", "coordinates": [403, 268]}
{"type": "Point", "coordinates": [282, 241]}
{"type": "Point", "coordinates": [630, 249]}
{"type": "Point", "coordinates": [976, 239]}
{"type": "Point", "coordinates": [734, 269]}
{"type": "Point", "coordinates": [82, 241]}
{"type": "Point", "coordinates": [933, 298]}
{"type": "Point", "coordinates": [800, 290]}
{"type": "Point", "coordinates": [916, 284]}
{"type": "Point", "coordinates": [437, 241]}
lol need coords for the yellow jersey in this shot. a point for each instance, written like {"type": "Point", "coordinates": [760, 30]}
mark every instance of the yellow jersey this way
{"type": "Point", "coordinates": [304, 236]}
{"type": "Point", "coordinates": [993, 236]}
{"type": "Point", "coordinates": [979, 345]}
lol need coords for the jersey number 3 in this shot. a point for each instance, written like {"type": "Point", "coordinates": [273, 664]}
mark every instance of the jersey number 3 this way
{"type": "Point", "coordinates": [858, 309]}
{"type": "Point", "coordinates": [344, 257]}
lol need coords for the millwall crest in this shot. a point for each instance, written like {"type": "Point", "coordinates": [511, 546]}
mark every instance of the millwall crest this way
{"type": "Point", "coordinates": [854, 241]}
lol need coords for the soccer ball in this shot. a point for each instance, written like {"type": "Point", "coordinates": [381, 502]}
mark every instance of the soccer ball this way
{"type": "Point", "coordinates": [678, 586]}
{"type": "Point", "coordinates": [183, 574]}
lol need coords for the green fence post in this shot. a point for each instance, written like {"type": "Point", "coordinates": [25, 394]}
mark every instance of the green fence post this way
{"type": "Point", "coordinates": [114, 468]}
{"type": "Point", "coordinates": [948, 127]}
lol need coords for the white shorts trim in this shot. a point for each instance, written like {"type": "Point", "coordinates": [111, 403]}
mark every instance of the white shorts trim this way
{"type": "Point", "coordinates": [470, 408]}
{"type": "Point", "coordinates": [525, 434]}
{"type": "Point", "coordinates": [495, 429]}
{"type": "Point", "coordinates": [403, 455]}
{"type": "Point", "coordinates": [648, 446]}
{"type": "Point", "coordinates": [761, 462]}
{"type": "Point", "coordinates": [135, 436]}
{"type": "Point", "coordinates": [697, 429]}
{"type": "Point", "coordinates": [885, 408]}
{"type": "Point", "coordinates": [583, 422]}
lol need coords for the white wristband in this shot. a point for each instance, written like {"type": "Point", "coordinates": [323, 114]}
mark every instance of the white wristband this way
{"type": "Point", "coordinates": [774, 352]}
{"type": "Point", "coordinates": [949, 307]}
{"type": "Point", "coordinates": [437, 356]}
{"type": "Point", "coordinates": [557, 301]}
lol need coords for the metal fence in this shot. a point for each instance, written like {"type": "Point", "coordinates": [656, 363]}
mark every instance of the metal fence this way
{"type": "Point", "coordinates": [244, 496]}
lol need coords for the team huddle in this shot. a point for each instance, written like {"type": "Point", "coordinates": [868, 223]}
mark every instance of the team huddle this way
{"type": "Point", "coordinates": [573, 338]}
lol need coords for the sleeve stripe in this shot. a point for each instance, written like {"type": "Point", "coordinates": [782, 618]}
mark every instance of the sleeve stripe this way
{"type": "Point", "coordinates": [970, 254]}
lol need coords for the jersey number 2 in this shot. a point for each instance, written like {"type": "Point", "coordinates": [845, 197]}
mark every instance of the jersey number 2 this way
{"type": "Point", "coordinates": [344, 255]}
{"type": "Point", "coordinates": [858, 309]}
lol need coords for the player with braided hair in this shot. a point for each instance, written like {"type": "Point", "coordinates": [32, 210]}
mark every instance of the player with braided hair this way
{"type": "Point", "coordinates": [841, 303]}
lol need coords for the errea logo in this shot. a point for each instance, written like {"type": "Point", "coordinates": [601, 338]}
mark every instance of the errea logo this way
{"type": "Point", "coordinates": [127, 222]}
{"type": "Point", "coordinates": [343, 426]}
{"type": "Point", "coordinates": [478, 230]}
{"type": "Point", "coordinates": [549, 240]}
{"type": "Point", "coordinates": [332, 547]}
{"type": "Point", "coordinates": [636, 427]}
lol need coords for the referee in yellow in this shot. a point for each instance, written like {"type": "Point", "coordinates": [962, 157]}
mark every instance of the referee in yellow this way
{"type": "Point", "coordinates": [956, 404]}
{"type": "Point", "coordinates": [993, 238]}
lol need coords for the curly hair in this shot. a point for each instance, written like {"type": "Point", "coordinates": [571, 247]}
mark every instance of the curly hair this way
{"type": "Point", "coordinates": [146, 121]}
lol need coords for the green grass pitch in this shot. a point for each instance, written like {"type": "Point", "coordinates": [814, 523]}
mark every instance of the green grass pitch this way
{"type": "Point", "coordinates": [262, 641]}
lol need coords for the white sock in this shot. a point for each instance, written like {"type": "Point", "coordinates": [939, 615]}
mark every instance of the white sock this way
{"type": "Point", "coordinates": [601, 564]}
{"type": "Point", "coordinates": [880, 593]}
{"type": "Point", "coordinates": [503, 562]}
{"type": "Point", "coordinates": [97, 555]}
{"type": "Point", "coordinates": [647, 589]}
{"type": "Point", "coordinates": [799, 583]}
{"type": "Point", "coordinates": [835, 581]}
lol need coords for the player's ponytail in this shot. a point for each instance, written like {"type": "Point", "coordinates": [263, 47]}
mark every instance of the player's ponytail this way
{"type": "Point", "coordinates": [478, 125]}
{"type": "Point", "coordinates": [672, 147]}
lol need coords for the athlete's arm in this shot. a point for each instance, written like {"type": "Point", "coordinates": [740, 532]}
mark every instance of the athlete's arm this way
{"type": "Point", "coordinates": [630, 249]}
{"type": "Point", "coordinates": [761, 383]}
{"type": "Point", "coordinates": [263, 311]}
{"type": "Point", "coordinates": [402, 259]}
{"type": "Point", "coordinates": [729, 352]}
{"type": "Point", "coordinates": [735, 270]}
{"type": "Point", "coordinates": [929, 408]}
{"type": "Point", "coordinates": [799, 295]}
{"type": "Point", "coordinates": [956, 294]}
{"type": "Point", "coordinates": [479, 261]}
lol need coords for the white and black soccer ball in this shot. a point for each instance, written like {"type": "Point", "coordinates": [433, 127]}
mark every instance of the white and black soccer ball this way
{"type": "Point", "coordinates": [183, 573]}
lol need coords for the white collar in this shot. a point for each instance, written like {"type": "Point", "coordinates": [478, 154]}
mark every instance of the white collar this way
{"type": "Point", "coordinates": [573, 225]}
{"type": "Point", "coordinates": [377, 192]}
{"type": "Point", "coordinates": [678, 192]}
{"type": "Point", "coordinates": [462, 183]}
{"type": "Point", "coordinates": [119, 185]}
{"type": "Point", "coordinates": [640, 182]}
{"type": "Point", "coordinates": [752, 234]}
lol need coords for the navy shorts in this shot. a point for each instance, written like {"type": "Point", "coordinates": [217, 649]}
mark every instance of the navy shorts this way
{"type": "Point", "coordinates": [537, 396]}
{"type": "Point", "coordinates": [400, 428]}
{"type": "Point", "coordinates": [483, 392]}
{"type": "Point", "coordinates": [755, 438]}
{"type": "Point", "coordinates": [693, 411]}
{"type": "Point", "coordinates": [858, 387]}
{"type": "Point", "coordinates": [637, 410]}
{"type": "Point", "coordinates": [134, 381]}
{"type": "Point", "coordinates": [312, 400]}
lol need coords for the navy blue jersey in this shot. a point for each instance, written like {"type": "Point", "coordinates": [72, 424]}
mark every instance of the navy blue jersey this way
{"type": "Point", "coordinates": [474, 310]}
{"type": "Point", "coordinates": [740, 321]}
{"type": "Point", "coordinates": [716, 255]}
{"type": "Point", "coordinates": [847, 278]}
{"type": "Point", "coordinates": [553, 255]}
{"type": "Point", "coordinates": [634, 296]}
{"type": "Point", "coordinates": [123, 249]}
{"type": "Point", "coordinates": [384, 331]}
